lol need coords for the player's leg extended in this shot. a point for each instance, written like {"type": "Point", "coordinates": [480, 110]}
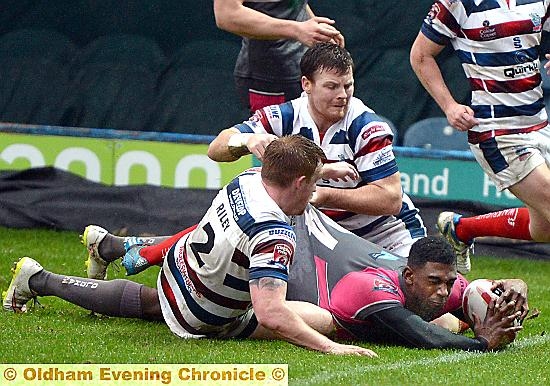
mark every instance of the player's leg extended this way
{"type": "Point", "coordinates": [138, 253]}
{"type": "Point", "coordinates": [122, 298]}
{"type": "Point", "coordinates": [534, 191]}
{"type": "Point", "coordinates": [139, 257]}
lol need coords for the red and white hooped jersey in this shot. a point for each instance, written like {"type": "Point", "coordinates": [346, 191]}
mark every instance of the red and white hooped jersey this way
{"type": "Point", "coordinates": [497, 42]}
{"type": "Point", "coordinates": [360, 138]}
{"type": "Point", "coordinates": [204, 281]}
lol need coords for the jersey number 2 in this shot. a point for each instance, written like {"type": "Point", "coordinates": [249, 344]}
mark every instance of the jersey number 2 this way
{"type": "Point", "coordinates": [205, 247]}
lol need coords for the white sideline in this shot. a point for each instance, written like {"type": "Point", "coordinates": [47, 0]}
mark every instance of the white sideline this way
{"type": "Point", "coordinates": [446, 358]}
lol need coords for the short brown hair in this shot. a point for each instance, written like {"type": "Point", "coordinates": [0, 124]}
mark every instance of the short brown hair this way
{"type": "Point", "coordinates": [325, 56]}
{"type": "Point", "coordinates": [290, 157]}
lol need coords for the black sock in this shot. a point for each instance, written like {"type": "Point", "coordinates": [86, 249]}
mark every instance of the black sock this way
{"type": "Point", "coordinates": [113, 298]}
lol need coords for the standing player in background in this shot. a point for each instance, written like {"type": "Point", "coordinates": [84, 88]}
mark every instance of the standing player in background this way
{"type": "Point", "coordinates": [372, 203]}
{"type": "Point", "coordinates": [275, 36]}
{"type": "Point", "coordinates": [498, 44]}
{"type": "Point", "coordinates": [228, 277]}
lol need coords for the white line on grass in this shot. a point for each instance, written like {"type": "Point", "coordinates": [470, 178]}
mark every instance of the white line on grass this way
{"type": "Point", "coordinates": [447, 358]}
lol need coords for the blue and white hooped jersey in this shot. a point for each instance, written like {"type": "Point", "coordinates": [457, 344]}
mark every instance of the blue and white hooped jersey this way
{"type": "Point", "coordinates": [497, 42]}
{"type": "Point", "coordinates": [361, 138]}
{"type": "Point", "coordinates": [204, 281]}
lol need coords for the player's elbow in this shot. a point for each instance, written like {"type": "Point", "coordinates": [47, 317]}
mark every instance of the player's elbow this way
{"type": "Point", "coordinates": [394, 203]}
{"type": "Point", "coordinates": [224, 18]}
{"type": "Point", "coordinates": [270, 320]}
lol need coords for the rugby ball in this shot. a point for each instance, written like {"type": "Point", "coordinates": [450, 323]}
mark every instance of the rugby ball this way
{"type": "Point", "coordinates": [477, 297]}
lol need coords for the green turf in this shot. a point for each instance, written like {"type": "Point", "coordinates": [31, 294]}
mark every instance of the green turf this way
{"type": "Point", "coordinates": [62, 333]}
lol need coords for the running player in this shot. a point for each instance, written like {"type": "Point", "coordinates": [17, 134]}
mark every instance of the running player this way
{"type": "Point", "coordinates": [498, 43]}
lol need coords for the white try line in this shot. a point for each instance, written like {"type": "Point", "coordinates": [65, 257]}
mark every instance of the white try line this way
{"type": "Point", "coordinates": [454, 357]}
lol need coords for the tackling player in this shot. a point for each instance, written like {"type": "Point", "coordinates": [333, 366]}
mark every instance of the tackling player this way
{"type": "Point", "coordinates": [353, 137]}
{"type": "Point", "coordinates": [227, 278]}
{"type": "Point", "coordinates": [376, 296]}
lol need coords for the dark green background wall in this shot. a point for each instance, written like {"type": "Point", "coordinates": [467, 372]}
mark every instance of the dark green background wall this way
{"type": "Point", "coordinates": [163, 65]}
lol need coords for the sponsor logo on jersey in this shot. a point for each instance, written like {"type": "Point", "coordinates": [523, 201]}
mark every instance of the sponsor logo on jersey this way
{"type": "Point", "coordinates": [274, 112]}
{"type": "Point", "coordinates": [282, 254]}
{"type": "Point", "coordinates": [383, 157]}
{"type": "Point", "coordinates": [372, 129]}
{"type": "Point", "coordinates": [180, 264]}
{"type": "Point", "coordinates": [512, 72]}
{"type": "Point", "coordinates": [537, 22]}
{"type": "Point", "coordinates": [385, 286]}
{"type": "Point", "coordinates": [283, 232]}
{"type": "Point", "coordinates": [237, 203]}
{"type": "Point", "coordinates": [488, 32]}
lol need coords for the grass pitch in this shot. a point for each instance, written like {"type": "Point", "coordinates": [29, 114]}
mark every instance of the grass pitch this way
{"type": "Point", "coordinates": [59, 332]}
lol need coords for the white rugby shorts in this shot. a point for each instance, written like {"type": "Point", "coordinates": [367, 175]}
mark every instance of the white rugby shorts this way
{"type": "Point", "coordinates": [508, 159]}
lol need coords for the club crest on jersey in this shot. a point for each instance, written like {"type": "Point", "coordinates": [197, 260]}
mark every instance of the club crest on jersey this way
{"type": "Point", "coordinates": [380, 285]}
{"type": "Point", "coordinates": [282, 254]}
{"type": "Point", "coordinates": [537, 22]}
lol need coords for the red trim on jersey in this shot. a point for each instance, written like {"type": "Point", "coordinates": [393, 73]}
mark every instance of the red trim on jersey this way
{"type": "Point", "coordinates": [447, 18]}
{"type": "Point", "coordinates": [475, 137]}
{"type": "Point", "coordinates": [171, 298]}
{"type": "Point", "coordinates": [262, 118]}
{"type": "Point", "coordinates": [375, 144]}
{"type": "Point", "coordinates": [506, 86]}
{"type": "Point", "coordinates": [336, 215]}
{"type": "Point", "coordinates": [497, 31]}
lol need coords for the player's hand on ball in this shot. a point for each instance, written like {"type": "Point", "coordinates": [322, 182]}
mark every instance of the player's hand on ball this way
{"type": "Point", "coordinates": [499, 327]}
{"type": "Point", "coordinates": [513, 290]}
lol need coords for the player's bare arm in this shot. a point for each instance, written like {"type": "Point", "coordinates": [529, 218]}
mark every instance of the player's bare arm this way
{"type": "Point", "coordinates": [231, 144]}
{"type": "Point", "coordinates": [278, 320]}
{"type": "Point", "coordinates": [337, 39]}
{"type": "Point", "coordinates": [422, 58]}
{"type": "Point", "coordinates": [378, 198]}
{"type": "Point", "coordinates": [234, 17]}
